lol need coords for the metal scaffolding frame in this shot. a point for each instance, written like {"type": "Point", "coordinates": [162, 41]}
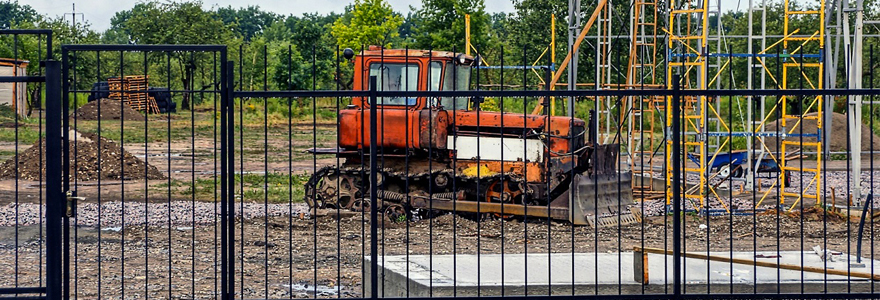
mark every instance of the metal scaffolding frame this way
{"type": "Point", "coordinates": [698, 50]}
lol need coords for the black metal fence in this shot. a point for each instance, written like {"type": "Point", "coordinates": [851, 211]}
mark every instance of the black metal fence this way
{"type": "Point", "coordinates": [30, 242]}
{"type": "Point", "coordinates": [146, 125]}
{"type": "Point", "coordinates": [184, 179]}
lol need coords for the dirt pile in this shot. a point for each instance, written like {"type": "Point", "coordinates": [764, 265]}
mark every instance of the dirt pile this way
{"type": "Point", "coordinates": [110, 110]}
{"type": "Point", "coordinates": [115, 162]}
{"type": "Point", "coordinates": [837, 141]}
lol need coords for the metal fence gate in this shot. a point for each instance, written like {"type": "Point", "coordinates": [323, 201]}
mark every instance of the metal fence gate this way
{"type": "Point", "coordinates": [172, 172]}
{"type": "Point", "coordinates": [134, 227]}
{"type": "Point", "coordinates": [20, 280]}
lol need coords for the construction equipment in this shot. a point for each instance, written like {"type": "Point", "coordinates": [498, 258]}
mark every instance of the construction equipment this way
{"type": "Point", "coordinates": [445, 154]}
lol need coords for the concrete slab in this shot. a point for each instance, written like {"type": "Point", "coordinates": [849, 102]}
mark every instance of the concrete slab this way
{"type": "Point", "coordinates": [605, 273]}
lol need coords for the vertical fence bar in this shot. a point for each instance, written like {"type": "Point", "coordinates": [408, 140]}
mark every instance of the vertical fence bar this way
{"type": "Point", "coordinates": [374, 195]}
{"type": "Point", "coordinates": [55, 200]}
{"type": "Point", "coordinates": [224, 185]}
{"type": "Point", "coordinates": [65, 167]}
{"type": "Point", "coordinates": [227, 174]}
{"type": "Point", "coordinates": [676, 189]}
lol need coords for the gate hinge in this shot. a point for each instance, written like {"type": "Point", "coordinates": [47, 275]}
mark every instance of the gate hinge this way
{"type": "Point", "coordinates": [70, 206]}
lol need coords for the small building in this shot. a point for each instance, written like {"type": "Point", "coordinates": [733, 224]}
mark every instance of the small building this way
{"type": "Point", "coordinates": [14, 94]}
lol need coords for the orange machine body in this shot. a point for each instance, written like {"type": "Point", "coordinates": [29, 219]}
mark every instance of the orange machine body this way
{"type": "Point", "coordinates": [423, 125]}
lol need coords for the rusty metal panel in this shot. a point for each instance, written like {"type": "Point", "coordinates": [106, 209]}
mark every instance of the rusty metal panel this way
{"type": "Point", "coordinates": [433, 129]}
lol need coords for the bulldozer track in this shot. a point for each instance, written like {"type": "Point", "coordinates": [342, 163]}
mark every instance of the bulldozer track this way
{"type": "Point", "coordinates": [326, 188]}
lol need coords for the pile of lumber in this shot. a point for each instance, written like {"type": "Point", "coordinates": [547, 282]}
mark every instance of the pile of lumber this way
{"type": "Point", "coordinates": [132, 90]}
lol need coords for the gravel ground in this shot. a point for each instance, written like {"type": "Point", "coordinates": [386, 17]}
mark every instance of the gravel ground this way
{"type": "Point", "coordinates": [111, 214]}
{"type": "Point", "coordinates": [291, 257]}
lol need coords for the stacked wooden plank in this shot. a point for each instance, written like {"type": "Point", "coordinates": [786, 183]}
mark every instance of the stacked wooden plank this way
{"type": "Point", "coordinates": [132, 90]}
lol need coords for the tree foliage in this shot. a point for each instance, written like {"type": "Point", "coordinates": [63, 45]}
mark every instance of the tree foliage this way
{"type": "Point", "coordinates": [246, 22]}
{"type": "Point", "coordinates": [13, 14]}
{"type": "Point", "coordinates": [176, 23]}
{"type": "Point", "coordinates": [370, 22]}
{"type": "Point", "coordinates": [440, 24]}
{"type": "Point", "coordinates": [300, 51]}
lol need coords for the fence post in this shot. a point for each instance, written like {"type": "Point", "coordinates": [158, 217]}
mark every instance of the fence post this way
{"type": "Point", "coordinates": [676, 187]}
{"type": "Point", "coordinates": [65, 163]}
{"type": "Point", "coordinates": [55, 199]}
{"type": "Point", "coordinates": [227, 130]}
{"type": "Point", "coordinates": [374, 195]}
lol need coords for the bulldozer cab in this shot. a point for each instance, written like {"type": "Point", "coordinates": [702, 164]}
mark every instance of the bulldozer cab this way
{"type": "Point", "coordinates": [413, 70]}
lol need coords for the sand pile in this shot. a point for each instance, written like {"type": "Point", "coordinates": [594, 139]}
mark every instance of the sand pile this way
{"type": "Point", "coordinates": [837, 141]}
{"type": "Point", "coordinates": [115, 162]}
{"type": "Point", "coordinates": [110, 110]}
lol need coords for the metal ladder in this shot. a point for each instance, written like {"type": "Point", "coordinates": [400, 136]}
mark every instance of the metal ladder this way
{"type": "Point", "coordinates": [795, 63]}
{"type": "Point", "coordinates": [688, 31]}
{"type": "Point", "coordinates": [642, 74]}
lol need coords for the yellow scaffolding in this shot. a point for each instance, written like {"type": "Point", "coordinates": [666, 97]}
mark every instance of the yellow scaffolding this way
{"type": "Point", "coordinates": [798, 69]}
{"type": "Point", "coordinates": [689, 30]}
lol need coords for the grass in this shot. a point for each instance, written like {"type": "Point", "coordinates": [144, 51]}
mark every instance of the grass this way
{"type": "Point", "coordinates": [271, 187]}
{"type": "Point", "coordinates": [4, 154]}
{"type": "Point", "coordinates": [25, 130]}
{"type": "Point", "coordinates": [24, 134]}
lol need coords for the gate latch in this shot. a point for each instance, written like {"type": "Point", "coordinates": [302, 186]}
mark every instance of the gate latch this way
{"type": "Point", "coordinates": [70, 207]}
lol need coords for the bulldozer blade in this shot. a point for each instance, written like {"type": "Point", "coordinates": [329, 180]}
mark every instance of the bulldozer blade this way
{"type": "Point", "coordinates": [600, 200]}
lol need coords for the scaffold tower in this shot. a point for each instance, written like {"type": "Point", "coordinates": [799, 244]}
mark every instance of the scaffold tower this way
{"type": "Point", "coordinates": [800, 70]}
{"type": "Point", "coordinates": [687, 46]}
{"type": "Point", "coordinates": [799, 60]}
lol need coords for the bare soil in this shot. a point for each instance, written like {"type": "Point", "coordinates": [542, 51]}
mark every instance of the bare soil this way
{"type": "Point", "coordinates": [109, 110]}
{"type": "Point", "coordinates": [95, 158]}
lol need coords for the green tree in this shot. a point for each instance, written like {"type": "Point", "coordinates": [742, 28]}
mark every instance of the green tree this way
{"type": "Point", "coordinates": [440, 24]}
{"type": "Point", "coordinates": [246, 22]}
{"type": "Point", "coordinates": [117, 33]}
{"type": "Point", "coordinates": [370, 22]}
{"type": "Point", "coordinates": [33, 48]}
{"type": "Point", "coordinates": [12, 14]}
{"type": "Point", "coordinates": [176, 23]}
{"type": "Point", "coordinates": [311, 37]}
{"type": "Point", "coordinates": [406, 31]}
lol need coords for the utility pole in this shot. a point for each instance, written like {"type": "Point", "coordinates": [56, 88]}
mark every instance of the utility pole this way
{"type": "Point", "coordinates": [73, 16]}
{"type": "Point", "coordinates": [574, 26]}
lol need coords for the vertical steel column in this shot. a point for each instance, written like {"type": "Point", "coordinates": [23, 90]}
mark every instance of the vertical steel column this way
{"type": "Point", "coordinates": [854, 105]}
{"type": "Point", "coordinates": [55, 199]}
{"type": "Point", "coordinates": [574, 24]}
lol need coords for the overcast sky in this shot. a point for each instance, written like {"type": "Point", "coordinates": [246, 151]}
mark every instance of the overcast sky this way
{"type": "Point", "coordinates": [98, 12]}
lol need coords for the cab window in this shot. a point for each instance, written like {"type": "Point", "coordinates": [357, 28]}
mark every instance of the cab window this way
{"type": "Point", "coordinates": [436, 71]}
{"type": "Point", "coordinates": [396, 77]}
{"type": "Point", "coordinates": [456, 79]}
